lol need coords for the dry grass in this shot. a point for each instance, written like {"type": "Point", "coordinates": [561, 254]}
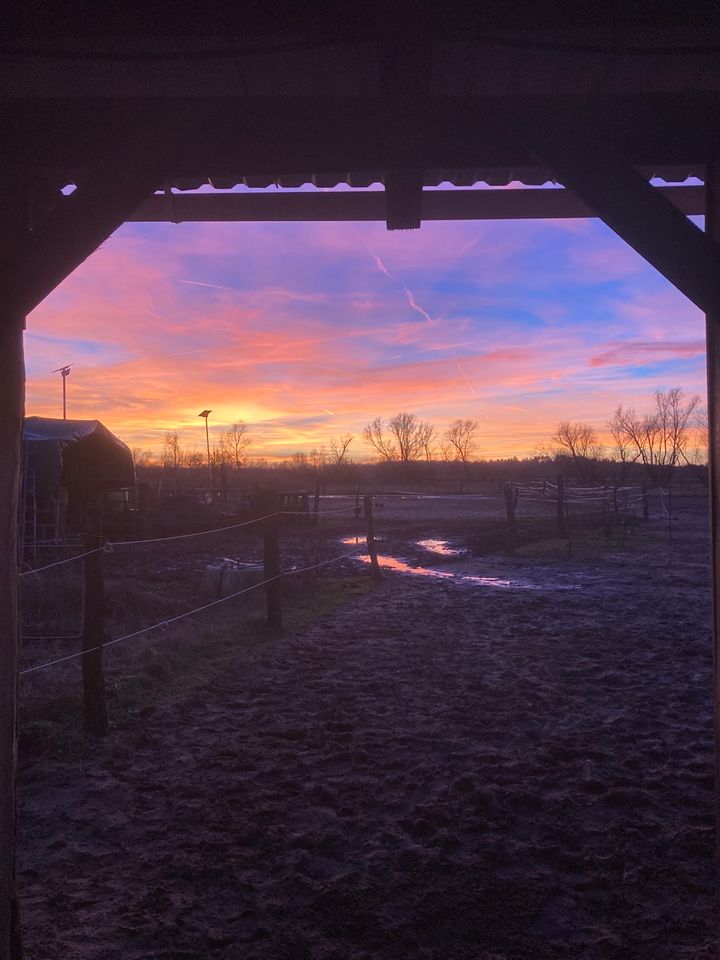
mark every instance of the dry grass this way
{"type": "Point", "coordinates": [145, 586]}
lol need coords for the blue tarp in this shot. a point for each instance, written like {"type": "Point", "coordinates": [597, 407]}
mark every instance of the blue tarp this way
{"type": "Point", "coordinates": [81, 455]}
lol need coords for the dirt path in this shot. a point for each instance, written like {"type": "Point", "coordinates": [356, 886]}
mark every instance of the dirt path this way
{"type": "Point", "coordinates": [431, 772]}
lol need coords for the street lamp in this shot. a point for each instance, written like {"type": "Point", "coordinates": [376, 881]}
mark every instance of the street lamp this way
{"type": "Point", "coordinates": [206, 414]}
{"type": "Point", "coordinates": [64, 373]}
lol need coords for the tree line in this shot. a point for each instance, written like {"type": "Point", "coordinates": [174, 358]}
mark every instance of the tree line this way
{"type": "Point", "coordinates": [673, 433]}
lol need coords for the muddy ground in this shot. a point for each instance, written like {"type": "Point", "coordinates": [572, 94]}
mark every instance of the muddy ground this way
{"type": "Point", "coordinates": [513, 760]}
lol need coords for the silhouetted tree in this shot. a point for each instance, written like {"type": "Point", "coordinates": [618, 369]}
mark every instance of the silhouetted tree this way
{"type": "Point", "coordinates": [339, 447]}
{"type": "Point", "coordinates": [141, 458]}
{"type": "Point", "coordinates": [173, 454]}
{"type": "Point", "coordinates": [577, 444]}
{"type": "Point", "coordinates": [405, 437]}
{"type": "Point", "coordinates": [234, 444]}
{"type": "Point", "coordinates": [458, 440]}
{"type": "Point", "coordinates": [657, 440]}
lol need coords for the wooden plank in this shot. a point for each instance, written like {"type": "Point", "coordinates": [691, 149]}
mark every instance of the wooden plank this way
{"type": "Point", "coordinates": [310, 205]}
{"type": "Point", "coordinates": [594, 169]}
{"type": "Point", "coordinates": [712, 327]}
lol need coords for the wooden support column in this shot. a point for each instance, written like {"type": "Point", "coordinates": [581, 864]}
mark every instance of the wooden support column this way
{"type": "Point", "coordinates": [35, 256]}
{"type": "Point", "coordinates": [14, 221]}
{"type": "Point", "coordinates": [712, 325]}
{"type": "Point", "coordinates": [12, 396]}
{"type": "Point", "coordinates": [585, 161]}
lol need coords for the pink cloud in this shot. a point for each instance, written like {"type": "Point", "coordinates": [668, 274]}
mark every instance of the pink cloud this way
{"type": "Point", "coordinates": [644, 352]}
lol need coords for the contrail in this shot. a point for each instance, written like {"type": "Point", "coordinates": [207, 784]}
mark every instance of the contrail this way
{"type": "Point", "coordinates": [199, 283]}
{"type": "Point", "coordinates": [411, 301]}
{"type": "Point", "coordinates": [380, 265]}
{"type": "Point", "coordinates": [471, 388]}
{"type": "Point", "coordinates": [467, 246]}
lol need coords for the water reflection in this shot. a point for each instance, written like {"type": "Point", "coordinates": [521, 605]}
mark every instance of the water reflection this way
{"type": "Point", "coordinates": [402, 566]}
{"type": "Point", "coordinates": [440, 546]}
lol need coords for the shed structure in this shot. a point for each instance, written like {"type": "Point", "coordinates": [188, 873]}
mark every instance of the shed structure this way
{"type": "Point", "coordinates": [66, 464]}
{"type": "Point", "coordinates": [135, 103]}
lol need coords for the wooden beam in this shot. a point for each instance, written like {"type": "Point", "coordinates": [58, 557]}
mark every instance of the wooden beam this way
{"type": "Point", "coordinates": [403, 199]}
{"type": "Point", "coordinates": [286, 135]}
{"type": "Point", "coordinates": [343, 205]}
{"type": "Point", "coordinates": [124, 173]}
{"type": "Point", "coordinates": [712, 327]}
{"type": "Point", "coordinates": [585, 162]}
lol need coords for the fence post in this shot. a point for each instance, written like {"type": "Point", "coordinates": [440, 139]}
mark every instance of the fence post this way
{"type": "Point", "coordinates": [141, 510]}
{"type": "Point", "coordinates": [271, 558]}
{"type": "Point", "coordinates": [93, 637]}
{"type": "Point", "coordinates": [371, 545]}
{"type": "Point", "coordinates": [561, 504]}
{"type": "Point", "coordinates": [510, 500]}
{"type": "Point", "coordinates": [646, 504]}
{"type": "Point", "coordinates": [316, 501]}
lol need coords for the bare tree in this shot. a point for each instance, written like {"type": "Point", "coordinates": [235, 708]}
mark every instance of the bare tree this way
{"type": "Point", "coordinates": [426, 435]}
{"type": "Point", "coordinates": [141, 458]}
{"type": "Point", "coordinates": [658, 440]}
{"type": "Point", "coordinates": [173, 454]}
{"type": "Point", "coordinates": [578, 445]}
{"type": "Point", "coordinates": [339, 447]}
{"type": "Point", "coordinates": [458, 440]}
{"type": "Point", "coordinates": [234, 443]}
{"type": "Point", "coordinates": [405, 438]}
{"type": "Point", "coordinates": [375, 434]}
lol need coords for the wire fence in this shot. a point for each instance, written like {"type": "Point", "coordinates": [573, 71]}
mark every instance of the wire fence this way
{"type": "Point", "coordinates": [574, 501]}
{"type": "Point", "coordinates": [265, 523]}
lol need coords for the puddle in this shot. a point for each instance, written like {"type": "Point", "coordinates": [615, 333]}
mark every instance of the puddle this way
{"type": "Point", "coordinates": [440, 546]}
{"type": "Point", "coordinates": [402, 566]}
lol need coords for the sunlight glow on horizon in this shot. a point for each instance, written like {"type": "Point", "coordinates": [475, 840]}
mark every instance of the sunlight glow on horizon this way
{"type": "Point", "coordinates": [310, 331]}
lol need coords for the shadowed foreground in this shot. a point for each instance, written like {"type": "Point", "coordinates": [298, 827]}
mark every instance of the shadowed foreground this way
{"type": "Point", "coordinates": [430, 772]}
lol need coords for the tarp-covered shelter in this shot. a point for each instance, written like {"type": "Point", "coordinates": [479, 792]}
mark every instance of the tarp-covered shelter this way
{"type": "Point", "coordinates": [65, 463]}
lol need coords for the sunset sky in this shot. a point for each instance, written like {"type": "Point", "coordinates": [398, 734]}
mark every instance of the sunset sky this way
{"type": "Point", "coordinates": [309, 331]}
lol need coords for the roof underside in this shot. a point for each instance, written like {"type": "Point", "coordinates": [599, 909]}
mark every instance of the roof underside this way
{"type": "Point", "coordinates": [295, 93]}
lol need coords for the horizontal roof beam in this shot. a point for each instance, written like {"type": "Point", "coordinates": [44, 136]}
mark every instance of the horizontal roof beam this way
{"type": "Point", "coordinates": [497, 204]}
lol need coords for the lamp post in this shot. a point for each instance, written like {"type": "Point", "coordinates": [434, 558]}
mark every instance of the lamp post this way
{"type": "Point", "coordinates": [64, 373]}
{"type": "Point", "coordinates": [206, 414]}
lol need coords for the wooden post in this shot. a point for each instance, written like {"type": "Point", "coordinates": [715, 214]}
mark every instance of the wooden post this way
{"type": "Point", "coordinates": [95, 710]}
{"type": "Point", "coordinates": [509, 493]}
{"type": "Point", "coordinates": [371, 545]}
{"type": "Point", "coordinates": [12, 397]}
{"type": "Point", "coordinates": [669, 514]}
{"type": "Point", "coordinates": [271, 558]}
{"type": "Point", "coordinates": [316, 501]}
{"type": "Point", "coordinates": [712, 332]}
{"type": "Point", "coordinates": [561, 510]}
{"type": "Point", "coordinates": [141, 507]}
{"type": "Point", "coordinates": [646, 504]}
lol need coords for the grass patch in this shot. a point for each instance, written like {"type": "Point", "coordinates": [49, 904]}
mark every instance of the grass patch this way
{"type": "Point", "coordinates": [144, 673]}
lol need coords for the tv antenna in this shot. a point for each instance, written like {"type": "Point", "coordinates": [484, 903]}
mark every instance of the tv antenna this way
{"type": "Point", "coordinates": [64, 373]}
